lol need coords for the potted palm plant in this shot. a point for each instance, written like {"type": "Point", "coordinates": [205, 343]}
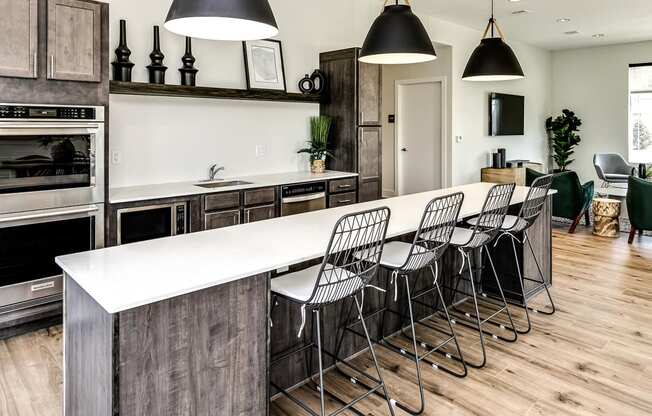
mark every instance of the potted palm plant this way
{"type": "Point", "coordinates": [318, 144]}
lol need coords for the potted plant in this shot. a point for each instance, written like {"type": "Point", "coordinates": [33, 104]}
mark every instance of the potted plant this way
{"type": "Point", "coordinates": [318, 144]}
{"type": "Point", "coordinates": [563, 131]}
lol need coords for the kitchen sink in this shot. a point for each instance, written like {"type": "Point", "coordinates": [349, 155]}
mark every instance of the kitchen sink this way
{"type": "Point", "coordinates": [221, 184]}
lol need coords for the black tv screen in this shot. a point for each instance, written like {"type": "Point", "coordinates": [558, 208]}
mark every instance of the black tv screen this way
{"type": "Point", "coordinates": [506, 114]}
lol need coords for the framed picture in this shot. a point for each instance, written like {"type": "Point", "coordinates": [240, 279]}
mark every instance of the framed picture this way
{"type": "Point", "coordinates": [264, 65]}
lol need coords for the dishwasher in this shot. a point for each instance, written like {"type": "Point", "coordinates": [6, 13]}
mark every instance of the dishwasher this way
{"type": "Point", "coordinates": [300, 198]}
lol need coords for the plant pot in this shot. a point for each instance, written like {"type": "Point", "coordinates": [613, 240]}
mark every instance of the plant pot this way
{"type": "Point", "coordinates": [318, 166]}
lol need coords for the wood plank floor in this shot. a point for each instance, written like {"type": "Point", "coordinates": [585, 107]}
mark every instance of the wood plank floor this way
{"type": "Point", "coordinates": [594, 357]}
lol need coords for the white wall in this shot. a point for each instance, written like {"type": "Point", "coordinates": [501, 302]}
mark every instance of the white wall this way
{"type": "Point", "coordinates": [593, 82]}
{"type": "Point", "coordinates": [470, 102]}
{"type": "Point", "coordinates": [441, 67]}
{"type": "Point", "coordinates": [161, 139]}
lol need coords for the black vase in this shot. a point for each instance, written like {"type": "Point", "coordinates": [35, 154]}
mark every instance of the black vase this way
{"type": "Point", "coordinates": [157, 69]}
{"type": "Point", "coordinates": [122, 66]}
{"type": "Point", "coordinates": [306, 85]}
{"type": "Point", "coordinates": [188, 71]}
{"type": "Point", "coordinates": [318, 79]}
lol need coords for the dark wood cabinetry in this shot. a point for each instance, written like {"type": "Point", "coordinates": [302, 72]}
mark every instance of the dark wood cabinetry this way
{"type": "Point", "coordinates": [233, 208]}
{"type": "Point", "coordinates": [342, 192]}
{"type": "Point", "coordinates": [19, 40]}
{"type": "Point", "coordinates": [353, 100]}
{"type": "Point", "coordinates": [74, 40]}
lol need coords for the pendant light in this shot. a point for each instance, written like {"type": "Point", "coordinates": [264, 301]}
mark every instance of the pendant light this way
{"type": "Point", "coordinates": [397, 37]}
{"type": "Point", "coordinates": [493, 60]}
{"type": "Point", "coordinates": [222, 19]}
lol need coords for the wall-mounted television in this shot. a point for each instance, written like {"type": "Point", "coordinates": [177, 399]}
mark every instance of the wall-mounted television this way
{"type": "Point", "coordinates": [506, 114]}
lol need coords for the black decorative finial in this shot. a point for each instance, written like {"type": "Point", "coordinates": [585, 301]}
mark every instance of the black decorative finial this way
{"type": "Point", "coordinates": [157, 69]}
{"type": "Point", "coordinates": [122, 65]}
{"type": "Point", "coordinates": [188, 71]}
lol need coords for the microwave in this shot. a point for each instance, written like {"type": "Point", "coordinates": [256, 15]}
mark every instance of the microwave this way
{"type": "Point", "coordinates": [151, 222]}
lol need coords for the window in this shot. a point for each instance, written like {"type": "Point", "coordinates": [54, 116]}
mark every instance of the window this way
{"type": "Point", "coordinates": [640, 113]}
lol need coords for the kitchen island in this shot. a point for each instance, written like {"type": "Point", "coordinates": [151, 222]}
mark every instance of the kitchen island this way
{"type": "Point", "coordinates": [180, 325]}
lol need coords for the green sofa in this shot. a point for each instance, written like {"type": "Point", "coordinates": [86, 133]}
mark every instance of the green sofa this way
{"type": "Point", "coordinates": [639, 206]}
{"type": "Point", "coordinates": [572, 200]}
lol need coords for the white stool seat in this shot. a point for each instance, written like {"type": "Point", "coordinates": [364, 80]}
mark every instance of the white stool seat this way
{"type": "Point", "coordinates": [395, 254]}
{"type": "Point", "coordinates": [511, 223]}
{"type": "Point", "coordinates": [462, 236]}
{"type": "Point", "coordinates": [300, 285]}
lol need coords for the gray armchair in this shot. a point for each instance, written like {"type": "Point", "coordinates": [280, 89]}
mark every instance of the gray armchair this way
{"type": "Point", "coordinates": [612, 168]}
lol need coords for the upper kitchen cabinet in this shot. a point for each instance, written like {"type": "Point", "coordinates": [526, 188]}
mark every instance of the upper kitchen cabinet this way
{"type": "Point", "coordinates": [19, 39]}
{"type": "Point", "coordinates": [369, 94]}
{"type": "Point", "coordinates": [353, 101]}
{"type": "Point", "coordinates": [74, 40]}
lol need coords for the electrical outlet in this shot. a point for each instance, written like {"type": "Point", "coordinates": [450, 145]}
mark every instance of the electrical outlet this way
{"type": "Point", "coordinates": [261, 150]}
{"type": "Point", "coordinates": [458, 139]}
{"type": "Point", "coordinates": [116, 157]}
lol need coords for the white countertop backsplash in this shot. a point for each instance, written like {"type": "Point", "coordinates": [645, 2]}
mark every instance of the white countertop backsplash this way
{"type": "Point", "coordinates": [176, 189]}
{"type": "Point", "coordinates": [132, 275]}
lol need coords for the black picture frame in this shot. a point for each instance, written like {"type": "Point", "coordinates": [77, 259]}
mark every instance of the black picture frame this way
{"type": "Point", "coordinates": [248, 73]}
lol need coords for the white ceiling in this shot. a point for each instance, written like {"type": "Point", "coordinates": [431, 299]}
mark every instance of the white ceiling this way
{"type": "Point", "coordinates": [621, 21]}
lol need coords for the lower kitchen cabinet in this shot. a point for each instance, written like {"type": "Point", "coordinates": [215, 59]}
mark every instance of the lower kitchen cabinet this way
{"type": "Point", "coordinates": [341, 200]}
{"type": "Point", "coordinates": [221, 219]}
{"type": "Point", "coordinates": [265, 212]}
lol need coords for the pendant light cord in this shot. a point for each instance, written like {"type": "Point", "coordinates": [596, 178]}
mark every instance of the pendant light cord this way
{"type": "Point", "coordinates": [493, 25]}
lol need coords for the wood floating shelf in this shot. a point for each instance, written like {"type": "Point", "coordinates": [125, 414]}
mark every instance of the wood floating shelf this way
{"type": "Point", "coordinates": [164, 90]}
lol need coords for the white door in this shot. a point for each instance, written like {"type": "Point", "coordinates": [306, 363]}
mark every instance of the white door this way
{"type": "Point", "coordinates": [419, 136]}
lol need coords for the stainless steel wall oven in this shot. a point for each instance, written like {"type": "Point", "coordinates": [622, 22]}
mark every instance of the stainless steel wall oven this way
{"type": "Point", "coordinates": [51, 196]}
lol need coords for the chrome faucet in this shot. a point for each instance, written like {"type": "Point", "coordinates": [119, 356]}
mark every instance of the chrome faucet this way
{"type": "Point", "coordinates": [213, 170]}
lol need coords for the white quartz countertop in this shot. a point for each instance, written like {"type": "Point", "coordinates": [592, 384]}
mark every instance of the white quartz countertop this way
{"type": "Point", "coordinates": [175, 189]}
{"type": "Point", "coordinates": [125, 277]}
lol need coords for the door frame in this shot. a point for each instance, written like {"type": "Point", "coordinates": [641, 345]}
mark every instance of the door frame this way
{"type": "Point", "coordinates": [445, 179]}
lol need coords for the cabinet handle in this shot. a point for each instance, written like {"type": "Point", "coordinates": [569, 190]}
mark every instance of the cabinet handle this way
{"type": "Point", "coordinates": [35, 65]}
{"type": "Point", "coordinates": [361, 117]}
{"type": "Point", "coordinates": [344, 201]}
{"type": "Point", "coordinates": [248, 216]}
{"type": "Point", "coordinates": [343, 186]}
{"type": "Point", "coordinates": [51, 66]}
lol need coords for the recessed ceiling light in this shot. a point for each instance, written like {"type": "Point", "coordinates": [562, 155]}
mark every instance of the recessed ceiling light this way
{"type": "Point", "coordinates": [524, 11]}
{"type": "Point", "coordinates": [598, 35]}
{"type": "Point", "coordinates": [572, 32]}
{"type": "Point", "coordinates": [563, 20]}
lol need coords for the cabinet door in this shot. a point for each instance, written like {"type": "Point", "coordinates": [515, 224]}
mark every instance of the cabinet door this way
{"type": "Point", "coordinates": [370, 162]}
{"type": "Point", "coordinates": [265, 212]}
{"type": "Point", "coordinates": [369, 94]}
{"type": "Point", "coordinates": [74, 40]}
{"type": "Point", "coordinates": [221, 219]}
{"type": "Point", "coordinates": [340, 200]}
{"type": "Point", "coordinates": [18, 39]}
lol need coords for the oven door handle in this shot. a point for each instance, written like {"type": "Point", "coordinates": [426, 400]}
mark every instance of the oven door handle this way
{"type": "Point", "coordinates": [303, 198]}
{"type": "Point", "coordinates": [37, 215]}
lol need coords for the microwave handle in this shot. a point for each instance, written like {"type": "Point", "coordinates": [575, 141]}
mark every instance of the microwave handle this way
{"type": "Point", "coordinates": [93, 161]}
{"type": "Point", "coordinates": [49, 214]}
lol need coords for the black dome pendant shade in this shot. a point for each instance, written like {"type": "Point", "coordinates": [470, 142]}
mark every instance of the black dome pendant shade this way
{"type": "Point", "coordinates": [397, 36]}
{"type": "Point", "coordinates": [493, 59]}
{"type": "Point", "coordinates": [222, 19]}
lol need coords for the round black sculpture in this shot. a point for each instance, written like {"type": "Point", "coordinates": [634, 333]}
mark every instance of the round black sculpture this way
{"type": "Point", "coordinates": [188, 71]}
{"type": "Point", "coordinates": [306, 85]}
{"type": "Point", "coordinates": [318, 79]}
{"type": "Point", "coordinates": [122, 66]}
{"type": "Point", "coordinates": [157, 69]}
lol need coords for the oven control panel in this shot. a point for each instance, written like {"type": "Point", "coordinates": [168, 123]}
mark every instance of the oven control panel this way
{"type": "Point", "coordinates": [46, 112]}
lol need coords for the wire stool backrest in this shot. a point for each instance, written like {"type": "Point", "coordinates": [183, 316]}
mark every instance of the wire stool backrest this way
{"type": "Point", "coordinates": [352, 256]}
{"type": "Point", "coordinates": [435, 231]}
{"type": "Point", "coordinates": [493, 214]}
{"type": "Point", "coordinates": [535, 200]}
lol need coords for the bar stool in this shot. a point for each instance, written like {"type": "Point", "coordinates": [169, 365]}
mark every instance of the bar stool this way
{"type": "Point", "coordinates": [467, 241]}
{"type": "Point", "coordinates": [406, 259]}
{"type": "Point", "coordinates": [513, 226]}
{"type": "Point", "coordinates": [341, 275]}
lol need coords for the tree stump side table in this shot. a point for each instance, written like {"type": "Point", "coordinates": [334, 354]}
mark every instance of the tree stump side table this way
{"type": "Point", "coordinates": [606, 217]}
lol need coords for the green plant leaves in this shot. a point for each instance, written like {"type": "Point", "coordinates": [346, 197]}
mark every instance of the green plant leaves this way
{"type": "Point", "coordinates": [564, 137]}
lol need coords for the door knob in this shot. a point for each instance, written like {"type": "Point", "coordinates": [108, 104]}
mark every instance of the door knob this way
{"type": "Point", "coordinates": [404, 149]}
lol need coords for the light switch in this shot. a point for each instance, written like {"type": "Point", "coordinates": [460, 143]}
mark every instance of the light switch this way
{"type": "Point", "coordinates": [458, 139]}
{"type": "Point", "coordinates": [116, 157]}
{"type": "Point", "coordinates": [261, 150]}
